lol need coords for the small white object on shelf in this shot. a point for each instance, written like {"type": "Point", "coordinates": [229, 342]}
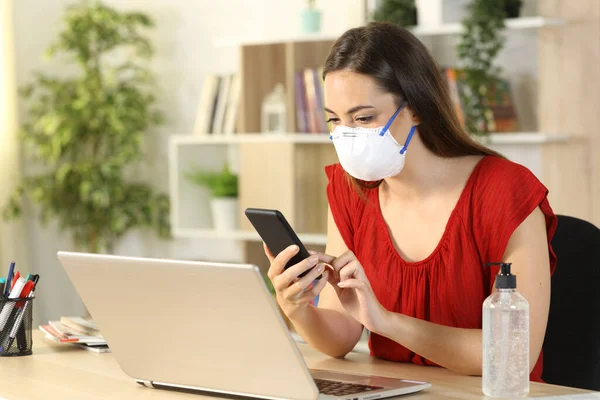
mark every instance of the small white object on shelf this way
{"type": "Point", "coordinates": [224, 212]}
{"type": "Point", "coordinates": [429, 12]}
{"type": "Point", "coordinates": [273, 111]}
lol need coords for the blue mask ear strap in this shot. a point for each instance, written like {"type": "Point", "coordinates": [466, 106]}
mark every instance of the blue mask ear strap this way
{"type": "Point", "coordinates": [410, 135]}
{"type": "Point", "coordinates": [391, 121]}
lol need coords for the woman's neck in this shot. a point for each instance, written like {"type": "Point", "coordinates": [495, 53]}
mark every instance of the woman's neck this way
{"type": "Point", "coordinates": [423, 174]}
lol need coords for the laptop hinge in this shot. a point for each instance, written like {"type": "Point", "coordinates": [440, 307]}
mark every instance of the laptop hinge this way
{"type": "Point", "coordinates": [148, 384]}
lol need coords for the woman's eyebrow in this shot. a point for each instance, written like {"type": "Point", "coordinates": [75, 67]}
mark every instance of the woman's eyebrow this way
{"type": "Point", "coordinates": [352, 110]}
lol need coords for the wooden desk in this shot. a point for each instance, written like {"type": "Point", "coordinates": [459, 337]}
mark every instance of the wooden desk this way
{"type": "Point", "coordinates": [65, 372]}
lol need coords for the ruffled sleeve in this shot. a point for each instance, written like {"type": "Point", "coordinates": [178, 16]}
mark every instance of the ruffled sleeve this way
{"type": "Point", "coordinates": [507, 194]}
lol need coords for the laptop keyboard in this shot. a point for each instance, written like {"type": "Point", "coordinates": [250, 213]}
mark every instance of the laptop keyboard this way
{"type": "Point", "coordinates": [334, 388]}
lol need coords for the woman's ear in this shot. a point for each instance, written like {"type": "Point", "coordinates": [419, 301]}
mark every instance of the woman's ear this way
{"type": "Point", "coordinates": [414, 118]}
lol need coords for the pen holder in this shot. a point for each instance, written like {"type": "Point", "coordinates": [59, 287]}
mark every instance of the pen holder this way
{"type": "Point", "coordinates": [16, 320]}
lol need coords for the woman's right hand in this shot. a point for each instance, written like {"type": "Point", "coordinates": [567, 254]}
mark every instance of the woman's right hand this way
{"type": "Point", "coordinates": [294, 294]}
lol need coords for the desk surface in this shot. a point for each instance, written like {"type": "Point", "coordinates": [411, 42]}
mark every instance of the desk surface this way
{"type": "Point", "coordinates": [66, 372]}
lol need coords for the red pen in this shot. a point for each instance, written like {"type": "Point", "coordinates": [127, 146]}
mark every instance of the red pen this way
{"type": "Point", "coordinates": [17, 276]}
{"type": "Point", "coordinates": [25, 293]}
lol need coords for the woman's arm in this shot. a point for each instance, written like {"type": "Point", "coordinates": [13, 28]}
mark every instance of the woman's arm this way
{"type": "Point", "coordinates": [328, 327]}
{"type": "Point", "coordinates": [461, 349]}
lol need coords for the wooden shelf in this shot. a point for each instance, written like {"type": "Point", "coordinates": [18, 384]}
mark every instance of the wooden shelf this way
{"type": "Point", "coordinates": [508, 138]}
{"type": "Point", "coordinates": [188, 233]}
{"type": "Point", "coordinates": [444, 29]}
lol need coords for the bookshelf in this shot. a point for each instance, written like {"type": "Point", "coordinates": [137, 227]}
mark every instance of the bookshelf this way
{"type": "Point", "coordinates": [286, 171]}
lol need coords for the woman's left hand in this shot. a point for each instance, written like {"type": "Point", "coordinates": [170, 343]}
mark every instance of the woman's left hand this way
{"type": "Point", "coordinates": [354, 290]}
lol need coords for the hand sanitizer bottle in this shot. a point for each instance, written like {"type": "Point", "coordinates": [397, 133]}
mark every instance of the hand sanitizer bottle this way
{"type": "Point", "coordinates": [505, 339]}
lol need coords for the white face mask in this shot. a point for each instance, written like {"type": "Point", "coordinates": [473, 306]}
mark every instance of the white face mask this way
{"type": "Point", "coordinates": [370, 154]}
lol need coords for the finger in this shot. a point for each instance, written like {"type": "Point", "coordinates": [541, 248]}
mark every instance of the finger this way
{"type": "Point", "coordinates": [316, 289]}
{"type": "Point", "coordinates": [349, 271]}
{"type": "Point", "coordinates": [270, 255]}
{"type": "Point", "coordinates": [326, 258]}
{"type": "Point", "coordinates": [310, 294]}
{"type": "Point", "coordinates": [294, 271]}
{"type": "Point", "coordinates": [303, 284]}
{"type": "Point", "coordinates": [341, 261]}
{"type": "Point", "coordinates": [312, 252]}
{"type": "Point", "coordinates": [279, 263]}
{"type": "Point", "coordinates": [352, 284]}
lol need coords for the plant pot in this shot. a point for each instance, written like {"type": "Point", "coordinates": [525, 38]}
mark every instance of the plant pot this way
{"type": "Point", "coordinates": [310, 20]}
{"type": "Point", "coordinates": [512, 8]}
{"type": "Point", "coordinates": [429, 12]}
{"type": "Point", "coordinates": [224, 212]}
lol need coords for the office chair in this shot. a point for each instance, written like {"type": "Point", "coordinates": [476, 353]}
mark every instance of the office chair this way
{"type": "Point", "coordinates": [572, 342]}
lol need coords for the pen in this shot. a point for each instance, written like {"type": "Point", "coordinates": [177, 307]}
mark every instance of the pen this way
{"type": "Point", "coordinates": [15, 278]}
{"type": "Point", "coordinates": [21, 336]}
{"type": "Point", "coordinates": [9, 279]}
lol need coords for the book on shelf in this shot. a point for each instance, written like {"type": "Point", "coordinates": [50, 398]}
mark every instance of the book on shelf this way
{"type": "Point", "coordinates": [233, 105]}
{"type": "Point", "coordinates": [309, 103]}
{"type": "Point", "coordinates": [500, 113]}
{"type": "Point", "coordinates": [218, 105]}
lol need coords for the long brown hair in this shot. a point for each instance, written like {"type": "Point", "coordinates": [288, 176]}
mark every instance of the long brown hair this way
{"type": "Point", "coordinates": [402, 65]}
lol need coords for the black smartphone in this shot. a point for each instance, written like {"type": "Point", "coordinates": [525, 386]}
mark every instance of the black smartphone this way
{"type": "Point", "coordinates": [277, 233]}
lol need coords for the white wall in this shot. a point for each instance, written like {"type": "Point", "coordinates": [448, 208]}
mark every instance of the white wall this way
{"type": "Point", "coordinates": [183, 38]}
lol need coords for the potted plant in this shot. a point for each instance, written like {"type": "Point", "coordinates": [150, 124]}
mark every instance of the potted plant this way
{"type": "Point", "coordinates": [512, 8]}
{"type": "Point", "coordinates": [223, 186]}
{"type": "Point", "coordinates": [480, 44]}
{"type": "Point", "coordinates": [86, 129]}
{"type": "Point", "coordinates": [310, 18]}
{"type": "Point", "coordinates": [400, 12]}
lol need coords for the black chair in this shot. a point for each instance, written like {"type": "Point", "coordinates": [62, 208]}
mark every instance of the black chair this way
{"type": "Point", "coordinates": [572, 343]}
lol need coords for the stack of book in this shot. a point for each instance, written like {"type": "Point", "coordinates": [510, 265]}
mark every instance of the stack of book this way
{"type": "Point", "coordinates": [310, 116]}
{"type": "Point", "coordinates": [501, 112]}
{"type": "Point", "coordinates": [218, 106]}
{"type": "Point", "coordinates": [76, 331]}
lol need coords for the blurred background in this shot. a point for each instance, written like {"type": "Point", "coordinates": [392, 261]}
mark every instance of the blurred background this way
{"type": "Point", "coordinates": [145, 128]}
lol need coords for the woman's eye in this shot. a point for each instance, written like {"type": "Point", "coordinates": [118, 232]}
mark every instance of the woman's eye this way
{"type": "Point", "coordinates": [364, 120]}
{"type": "Point", "coordinates": [332, 121]}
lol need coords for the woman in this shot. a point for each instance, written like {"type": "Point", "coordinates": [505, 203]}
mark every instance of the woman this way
{"type": "Point", "coordinates": [411, 227]}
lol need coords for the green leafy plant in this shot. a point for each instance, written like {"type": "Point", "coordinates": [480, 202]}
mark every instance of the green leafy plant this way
{"type": "Point", "coordinates": [220, 184]}
{"type": "Point", "coordinates": [85, 131]}
{"type": "Point", "coordinates": [400, 12]}
{"type": "Point", "coordinates": [480, 44]}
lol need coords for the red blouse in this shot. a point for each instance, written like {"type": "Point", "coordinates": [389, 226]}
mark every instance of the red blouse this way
{"type": "Point", "coordinates": [497, 198]}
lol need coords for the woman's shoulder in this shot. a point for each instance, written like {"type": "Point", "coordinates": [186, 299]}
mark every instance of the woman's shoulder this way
{"type": "Point", "coordinates": [499, 177]}
{"type": "Point", "coordinates": [499, 169]}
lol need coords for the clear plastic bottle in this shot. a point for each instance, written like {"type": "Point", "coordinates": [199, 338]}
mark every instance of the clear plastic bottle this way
{"type": "Point", "coordinates": [505, 339]}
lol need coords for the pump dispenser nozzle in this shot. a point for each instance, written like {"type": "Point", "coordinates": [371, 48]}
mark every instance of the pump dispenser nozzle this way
{"type": "Point", "coordinates": [504, 280]}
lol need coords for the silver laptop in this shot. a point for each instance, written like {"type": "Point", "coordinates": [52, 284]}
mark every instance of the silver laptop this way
{"type": "Point", "coordinates": [209, 327]}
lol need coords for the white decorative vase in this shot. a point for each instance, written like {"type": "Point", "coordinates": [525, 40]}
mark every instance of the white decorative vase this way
{"type": "Point", "coordinates": [429, 13]}
{"type": "Point", "coordinates": [224, 212]}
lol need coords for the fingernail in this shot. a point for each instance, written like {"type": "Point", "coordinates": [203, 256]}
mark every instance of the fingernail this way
{"type": "Point", "coordinates": [320, 267]}
{"type": "Point", "coordinates": [313, 260]}
{"type": "Point", "coordinates": [341, 284]}
{"type": "Point", "coordinates": [293, 248]}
